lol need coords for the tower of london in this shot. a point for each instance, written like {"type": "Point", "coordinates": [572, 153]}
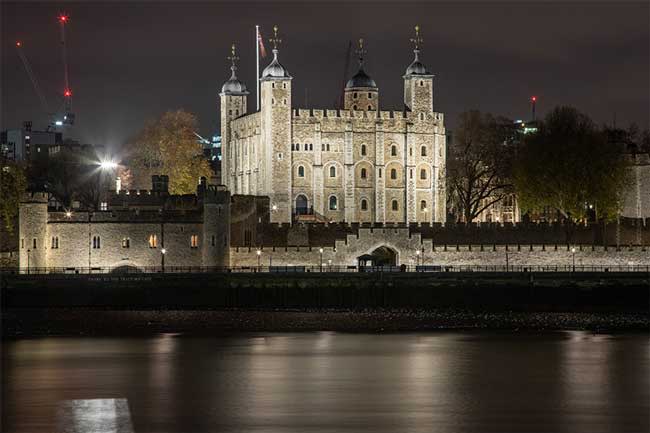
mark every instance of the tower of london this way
{"type": "Point", "coordinates": [357, 164]}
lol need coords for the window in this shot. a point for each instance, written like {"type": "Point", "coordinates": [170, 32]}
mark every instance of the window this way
{"type": "Point", "coordinates": [364, 204]}
{"type": "Point", "coordinates": [394, 205]}
{"type": "Point", "coordinates": [153, 241]}
{"type": "Point", "coordinates": [103, 206]}
{"type": "Point", "coordinates": [423, 174]}
{"type": "Point", "coordinates": [421, 116]}
{"type": "Point", "coordinates": [369, 107]}
{"type": "Point", "coordinates": [280, 156]}
{"type": "Point", "coordinates": [393, 174]}
{"type": "Point", "coordinates": [354, 96]}
{"type": "Point", "coordinates": [364, 173]}
{"type": "Point", "coordinates": [393, 151]}
{"type": "Point", "coordinates": [380, 173]}
{"type": "Point", "coordinates": [410, 151]}
{"type": "Point", "coordinates": [55, 243]}
{"type": "Point", "coordinates": [301, 171]}
{"type": "Point", "coordinates": [96, 242]}
{"type": "Point", "coordinates": [22, 243]}
{"type": "Point", "coordinates": [284, 101]}
{"type": "Point", "coordinates": [354, 107]}
{"type": "Point", "coordinates": [363, 149]}
{"type": "Point", "coordinates": [327, 147]}
{"type": "Point", "coordinates": [214, 240]}
{"type": "Point", "coordinates": [369, 95]}
{"type": "Point", "coordinates": [332, 171]}
{"type": "Point", "coordinates": [421, 83]}
{"type": "Point", "coordinates": [126, 243]}
{"type": "Point", "coordinates": [34, 243]}
{"type": "Point", "coordinates": [273, 85]}
{"type": "Point", "coordinates": [230, 112]}
{"type": "Point", "coordinates": [284, 85]}
{"type": "Point", "coordinates": [272, 101]}
{"type": "Point", "coordinates": [333, 203]}
{"type": "Point", "coordinates": [423, 205]}
{"type": "Point", "coordinates": [194, 241]}
{"type": "Point", "coordinates": [411, 174]}
{"type": "Point", "coordinates": [423, 152]}
{"type": "Point", "coordinates": [311, 146]}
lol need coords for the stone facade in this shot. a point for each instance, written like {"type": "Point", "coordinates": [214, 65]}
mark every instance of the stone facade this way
{"type": "Point", "coordinates": [636, 203]}
{"type": "Point", "coordinates": [405, 246]}
{"type": "Point", "coordinates": [359, 164]}
{"type": "Point", "coordinates": [193, 230]}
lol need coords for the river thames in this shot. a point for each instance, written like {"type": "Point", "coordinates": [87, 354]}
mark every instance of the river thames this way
{"type": "Point", "coordinates": [464, 381]}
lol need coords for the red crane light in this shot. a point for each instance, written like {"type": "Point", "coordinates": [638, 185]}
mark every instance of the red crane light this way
{"type": "Point", "coordinates": [63, 18]}
{"type": "Point", "coordinates": [534, 98]}
{"type": "Point", "coordinates": [67, 93]}
{"type": "Point", "coordinates": [19, 44]}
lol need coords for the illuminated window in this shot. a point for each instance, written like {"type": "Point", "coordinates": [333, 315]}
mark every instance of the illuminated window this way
{"type": "Point", "coordinates": [126, 243]}
{"type": "Point", "coordinates": [333, 203]}
{"type": "Point", "coordinates": [103, 206]}
{"type": "Point", "coordinates": [332, 171]}
{"type": "Point", "coordinates": [364, 204]}
{"type": "Point", "coordinates": [153, 241]}
{"type": "Point", "coordinates": [394, 205]}
{"type": "Point", "coordinates": [363, 149]}
{"type": "Point", "coordinates": [194, 241]}
{"type": "Point", "coordinates": [301, 171]}
{"type": "Point", "coordinates": [393, 150]}
{"type": "Point", "coordinates": [393, 174]}
{"type": "Point", "coordinates": [364, 173]}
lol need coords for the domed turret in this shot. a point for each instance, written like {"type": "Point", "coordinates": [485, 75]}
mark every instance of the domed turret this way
{"type": "Point", "coordinates": [418, 83]}
{"type": "Point", "coordinates": [361, 92]}
{"type": "Point", "coordinates": [233, 86]}
{"type": "Point", "coordinates": [416, 67]}
{"type": "Point", "coordinates": [275, 68]}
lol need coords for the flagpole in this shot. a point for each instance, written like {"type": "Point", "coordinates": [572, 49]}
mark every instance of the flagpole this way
{"type": "Point", "coordinates": [257, 70]}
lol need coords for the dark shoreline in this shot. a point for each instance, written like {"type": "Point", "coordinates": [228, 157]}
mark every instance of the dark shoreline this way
{"type": "Point", "coordinates": [35, 322]}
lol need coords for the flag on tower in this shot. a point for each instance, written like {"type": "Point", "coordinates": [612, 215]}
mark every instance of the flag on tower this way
{"type": "Point", "coordinates": [260, 40]}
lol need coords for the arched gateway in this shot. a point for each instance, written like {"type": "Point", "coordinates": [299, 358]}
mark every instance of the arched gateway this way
{"type": "Point", "coordinates": [382, 256]}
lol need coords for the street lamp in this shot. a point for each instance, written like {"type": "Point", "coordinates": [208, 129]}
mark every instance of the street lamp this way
{"type": "Point", "coordinates": [329, 264]}
{"type": "Point", "coordinates": [259, 258]}
{"type": "Point", "coordinates": [573, 253]}
{"type": "Point", "coordinates": [162, 259]}
{"type": "Point", "coordinates": [417, 253]}
{"type": "Point", "coordinates": [320, 250]}
{"type": "Point", "coordinates": [68, 214]}
{"type": "Point", "coordinates": [28, 251]}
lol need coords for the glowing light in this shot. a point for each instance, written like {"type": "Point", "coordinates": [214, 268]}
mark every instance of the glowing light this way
{"type": "Point", "coordinates": [534, 98]}
{"type": "Point", "coordinates": [164, 251]}
{"type": "Point", "coordinates": [107, 164]}
{"type": "Point", "coordinates": [58, 123]}
{"type": "Point", "coordinates": [274, 207]}
{"type": "Point", "coordinates": [573, 250]}
{"type": "Point", "coordinates": [320, 250]}
{"type": "Point", "coordinates": [68, 214]}
{"type": "Point", "coordinates": [63, 18]}
{"type": "Point", "coordinates": [258, 252]}
{"type": "Point", "coordinates": [67, 93]}
{"type": "Point", "coordinates": [19, 44]}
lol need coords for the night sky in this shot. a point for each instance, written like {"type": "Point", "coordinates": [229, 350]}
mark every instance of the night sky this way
{"type": "Point", "coordinates": [131, 61]}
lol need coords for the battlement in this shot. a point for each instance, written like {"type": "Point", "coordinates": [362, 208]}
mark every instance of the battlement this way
{"type": "Point", "coordinates": [35, 197]}
{"type": "Point", "coordinates": [308, 113]}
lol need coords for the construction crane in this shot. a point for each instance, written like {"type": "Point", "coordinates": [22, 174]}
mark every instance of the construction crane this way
{"type": "Point", "coordinates": [68, 115]}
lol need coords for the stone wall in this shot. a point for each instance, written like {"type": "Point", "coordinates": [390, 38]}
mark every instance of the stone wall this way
{"type": "Point", "coordinates": [405, 246]}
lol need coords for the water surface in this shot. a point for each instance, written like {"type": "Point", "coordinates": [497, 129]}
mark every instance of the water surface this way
{"type": "Point", "coordinates": [326, 382]}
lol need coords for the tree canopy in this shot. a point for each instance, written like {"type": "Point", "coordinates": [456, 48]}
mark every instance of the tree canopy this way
{"type": "Point", "coordinates": [168, 146]}
{"type": "Point", "coordinates": [13, 184]}
{"type": "Point", "coordinates": [479, 163]}
{"type": "Point", "coordinates": [570, 166]}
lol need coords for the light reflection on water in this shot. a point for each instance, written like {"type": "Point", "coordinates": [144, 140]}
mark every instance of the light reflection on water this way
{"type": "Point", "coordinates": [321, 382]}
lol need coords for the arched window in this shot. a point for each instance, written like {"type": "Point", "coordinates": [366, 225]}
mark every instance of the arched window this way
{"type": "Point", "coordinates": [369, 107]}
{"type": "Point", "coordinates": [393, 151]}
{"type": "Point", "coordinates": [364, 173]}
{"type": "Point", "coordinates": [364, 204]}
{"type": "Point", "coordinates": [311, 146]}
{"type": "Point", "coordinates": [328, 147]}
{"type": "Point", "coordinates": [423, 152]}
{"type": "Point", "coordinates": [394, 205]}
{"type": "Point", "coordinates": [393, 174]}
{"type": "Point", "coordinates": [153, 241]}
{"type": "Point", "coordinates": [354, 95]}
{"type": "Point", "coordinates": [332, 171]}
{"type": "Point", "coordinates": [333, 203]}
{"type": "Point", "coordinates": [301, 171]}
{"type": "Point", "coordinates": [363, 149]}
{"type": "Point", "coordinates": [423, 173]}
{"type": "Point", "coordinates": [421, 83]}
{"type": "Point", "coordinates": [369, 95]}
{"type": "Point", "coordinates": [354, 107]}
{"type": "Point", "coordinates": [423, 205]}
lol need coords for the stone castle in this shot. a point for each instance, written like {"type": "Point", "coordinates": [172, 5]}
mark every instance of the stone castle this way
{"type": "Point", "coordinates": [358, 164]}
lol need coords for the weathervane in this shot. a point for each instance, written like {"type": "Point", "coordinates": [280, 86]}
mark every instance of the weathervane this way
{"type": "Point", "coordinates": [417, 40]}
{"type": "Point", "coordinates": [360, 51]}
{"type": "Point", "coordinates": [275, 40]}
{"type": "Point", "coordinates": [233, 55]}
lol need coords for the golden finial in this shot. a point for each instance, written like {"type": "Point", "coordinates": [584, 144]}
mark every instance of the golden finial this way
{"type": "Point", "coordinates": [233, 54]}
{"type": "Point", "coordinates": [417, 40]}
{"type": "Point", "coordinates": [275, 40]}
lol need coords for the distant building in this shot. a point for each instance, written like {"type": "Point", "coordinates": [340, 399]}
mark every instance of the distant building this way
{"type": "Point", "coordinates": [27, 144]}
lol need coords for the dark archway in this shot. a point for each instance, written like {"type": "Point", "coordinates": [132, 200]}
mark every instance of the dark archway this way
{"type": "Point", "coordinates": [126, 269]}
{"type": "Point", "coordinates": [382, 256]}
{"type": "Point", "coordinates": [302, 205]}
